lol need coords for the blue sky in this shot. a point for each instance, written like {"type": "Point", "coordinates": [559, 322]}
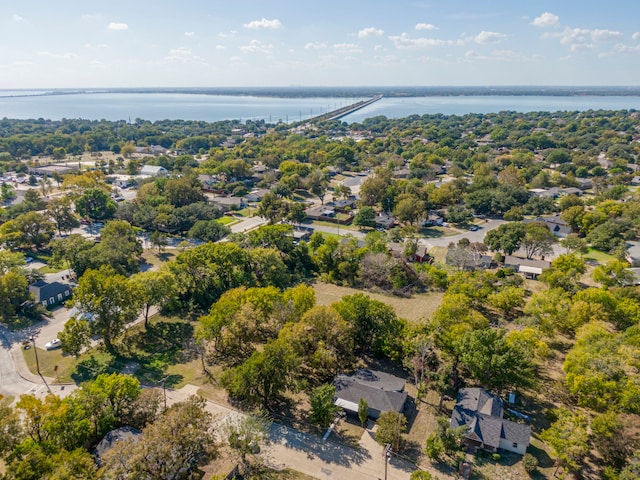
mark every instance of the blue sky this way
{"type": "Point", "coordinates": [166, 43]}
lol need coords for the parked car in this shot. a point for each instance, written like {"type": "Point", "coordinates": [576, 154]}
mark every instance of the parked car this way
{"type": "Point", "coordinates": [28, 259]}
{"type": "Point", "coordinates": [53, 344]}
{"type": "Point", "coordinates": [474, 228]}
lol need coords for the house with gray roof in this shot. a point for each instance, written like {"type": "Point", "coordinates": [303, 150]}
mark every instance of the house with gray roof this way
{"type": "Point", "coordinates": [481, 413]}
{"type": "Point", "coordinates": [530, 267]}
{"type": "Point", "coordinates": [50, 294]}
{"type": "Point", "coordinates": [382, 391]}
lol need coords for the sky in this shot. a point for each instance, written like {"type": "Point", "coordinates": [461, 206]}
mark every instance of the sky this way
{"type": "Point", "coordinates": [232, 43]}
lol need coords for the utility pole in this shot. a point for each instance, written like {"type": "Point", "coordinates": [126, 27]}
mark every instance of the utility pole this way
{"type": "Point", "coordinates": [164, 391]}
{"type": "Point", "coordinates": [387, 455]}
{"type": "Point", "coordinates": [35, 351]}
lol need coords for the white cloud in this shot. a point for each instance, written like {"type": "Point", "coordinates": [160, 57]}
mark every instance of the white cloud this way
{"type": "Point", "coordinates": [59, 56]}
{"type": "Point", "coordinates": [405, 42]}
{"type": "Point", "coordinates": [189, 34]}
{"type": "Point", "coordinates": [231, 33]}
{"type": "Point", "coordinates": [118, 26]}
{"type": "Point", "coordinates": [347, 48]}
{"type": "Point", "coordinates": [183, 54]}
{"type": "Point", "coordinates": [604, 35]}
{"type": "Point", "coordinates": [315, 45]}
{"type": "Point", "coordinates": [546, 20]}
{"type": "Point", "coordinates": [636, 36]}
{"type": "Point", "coordinates": [220, 47]}
{"type": "Point", "coordinates": [256, 46]}
{"type": "Point", "coordinates": [99, 45]}
{"type": "Point", "coordinates": [425, 26]}
{"type": "Point", "coordinates": [263, 23]}
{"type": "Point", "coordinates": [370, 32]}
{"type": "Point", "coordinates": [485, 37]}
{"type": "Point", "coordinates": [17, 18]}
{"type": "Point", "coordinates": [620, 48]}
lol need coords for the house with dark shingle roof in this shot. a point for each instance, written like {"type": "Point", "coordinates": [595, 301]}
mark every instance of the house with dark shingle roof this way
{"type": "Point", "coordinates": [382, 391]}
{"type": "Point", "coordinates": [481, 413]}
{"type": "Point", "coordinates": [50, 294]}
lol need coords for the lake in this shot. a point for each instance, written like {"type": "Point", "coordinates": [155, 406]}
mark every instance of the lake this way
{"type": "Point", "coordinates": [187, 106]}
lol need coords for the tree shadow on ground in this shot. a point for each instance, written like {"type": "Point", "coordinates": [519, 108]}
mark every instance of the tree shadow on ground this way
{"type": "Point", "coordinates": [327, 451]}
{"type": "Point", "coordinates": [544, 460]}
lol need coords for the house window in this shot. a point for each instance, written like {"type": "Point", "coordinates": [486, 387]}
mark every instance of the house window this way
{"type": "Point", "coordinates": [51, 301]}
{"type": "Point", "coordinates": [59, 297]}
{"type": "Point", "coordinates": [44, 303]}
{"type": "Point", "coordinates": [515, 445]}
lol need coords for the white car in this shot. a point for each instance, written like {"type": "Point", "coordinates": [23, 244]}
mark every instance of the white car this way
{"type": "Point", "coordinates": [53, 344]}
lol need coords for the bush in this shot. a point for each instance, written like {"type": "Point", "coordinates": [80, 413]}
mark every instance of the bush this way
{"type": "Point", "coordinates": [530, 463]}
{"type": "Point", "coordinates": [420, 475]}
{"type": "Point", "coordinates": [496, 457]}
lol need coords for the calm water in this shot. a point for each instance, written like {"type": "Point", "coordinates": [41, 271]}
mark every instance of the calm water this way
{"type": "Point", "coordinates": [161, 106]}
{"type": "Point", "coordinates": [403, 107]}
{"type": "Point", "coordinates": [174, 106]}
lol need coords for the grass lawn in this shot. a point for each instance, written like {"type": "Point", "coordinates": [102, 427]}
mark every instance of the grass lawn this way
{"type": "Point", "coordinates": [413, 309]}
{"type": "Point", "coordinates": [598, 256]}
{"type": "Point", "coordinates": [155, 259]}
{"type": "Point", "coordinates": [49, 269]}
{"type": "Point", "coordinates": [246, 212]}
{"type": "Point", "coordinates": [66, 364]}
{"type": "Point", "coordinates": [334, 225]}
{"type": "Point", "coordinates": [226, 220]}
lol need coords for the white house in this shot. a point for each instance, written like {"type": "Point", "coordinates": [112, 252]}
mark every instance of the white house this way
{"type": "Point", "coordinates": [154, 171]}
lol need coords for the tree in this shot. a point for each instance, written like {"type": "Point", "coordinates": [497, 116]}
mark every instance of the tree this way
{"type": "Point", "coordinates": [159, 240]}
{"type": "Point", "coordinates": [183, 191]}
{"type": "Point", "coordinates": [323, 410]}
{"type": "Point", "coordinates": [458, 214]}
{"type": "Point", "coordinates": [118, 248]}
{"type": "Point", "coordinates": [75, 250]}
{"type": "Point", "coordinates": [409, 209]}
{"type": "Point", "coordinates": [11, 429]}
{"type": "Point", "coordinates": [537, 240]}
{"type": "Point", "coordinates": [112, 300]}
{"type": "Point", "coordinates": [28, 230]}
{"type": "Point", "coordinates": [244, 434]}
{"type": "Point", "coordinates": [574, 244]}
{"type": "Point", "coordinates": [494, 362]}
{"type": "Point", "coordinates": [208, 231]}
{"type": "Point", "coordinates": [156, 287]}
{"type": "Point", "coordinates": [13, 293]}
{"type": "Point", "coordinates": [75, 336]}
{"type": "Point", "coordinates": [391, 426]}
{"type": "Point", "coordinates": [96, 204]}
{"type": "Point", "coordinates": [365, 217]}
{"type": "Point", "coordinates": [363, 411]}
{"type": "Point", "coordinates": [507, 300]}
{"type": "Point", "coordinates": [265, 376]}
{"type": "Point", "coordinates": [506, 238]}
{"type": "Point", "coordinates": [188, 425]}
{"type": "Point", "coordinates": [569, 438]}
{"type": "Point", "coordinates": [613, 274]}
{"type": "Point", "coordinates": [59, 209]}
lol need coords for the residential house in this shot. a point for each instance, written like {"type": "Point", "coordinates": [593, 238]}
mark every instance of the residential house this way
{"type": "Point", "coordinates": [555, 224]}
{"type": "Point", "coordinates": [154, 171]}
{"type": "Point", "coordinates": [632, 253]}
{"type": "Point", "coordinates": [226, 204]}
{"type": "Point", "coordinates": [256, 195]}
{"type": "Point", "coordinates": [111, 438]}
{"type": "Point", "coordinates": [385, 220]}
{"type": "Point", "coordinates": [152, 150]}
{"type": "Point", "coordinates": [422, 256]}
{"type": "Point", "coordinates": [482, 413]}
{"type": "Point", "coordinates": [344, 205]}
{"type": "Point", "coordinates": [208, 182]}
{"type": "Point", "coordinates": [50, 294]}
{"type": "Point", "coordinates": [382, 391]}
{"type": "Point", "coordinates": [529, 267]}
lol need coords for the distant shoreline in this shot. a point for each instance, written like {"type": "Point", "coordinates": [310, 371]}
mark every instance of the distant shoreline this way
{"type": "Point", "coordinates": [304, 92]}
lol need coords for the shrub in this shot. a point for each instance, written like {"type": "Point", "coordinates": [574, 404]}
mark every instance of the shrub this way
{"type": "Point", "coordinates": [530, 463]}
{"type": "Point", "coordinates": [496, 457]}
